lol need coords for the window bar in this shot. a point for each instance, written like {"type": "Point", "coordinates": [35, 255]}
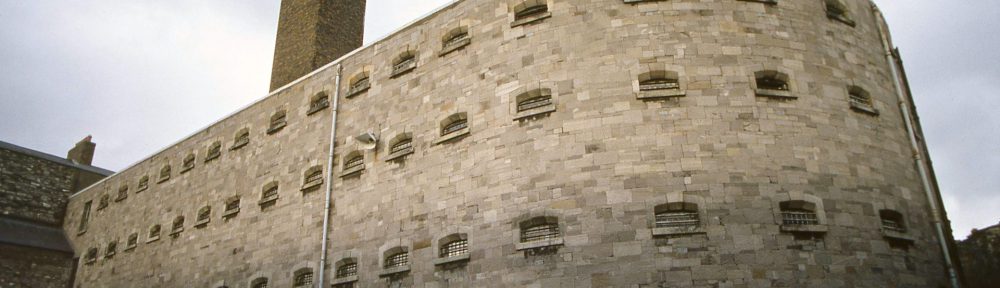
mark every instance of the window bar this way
{"type": "Point", "coordinates": [799, 218]}
{"type": "Point", "coordinates": [455, 126]}
{"type": "Point", "coordinates": [540, 232]}
{"type": "Point", "coordinates": [534, 103]}
{"type": "Point", "coordinates": [677, 219]}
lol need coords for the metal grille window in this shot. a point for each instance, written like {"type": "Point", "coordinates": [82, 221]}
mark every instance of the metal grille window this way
{"type": "Point", "coordinates": [278, 119]}
{"type": "Point", "coordinates": [122, 192]}
{"type": "Point", "coordinates": [771, 82]}
{"type": "Point", "coordinates": [165, 172]}
{"type": "Point", "coordinates": [112, 248]}
{"type": "Point", "coordinates": [405, 63]}
{"type": "Point", "coordinates": [314, 176]}
{"type": "Point", "coordinates": [799, 217]}
{"type": "Point", "coordinates": [205, 213]}
{"type": "Point", "coordinates": [531, 12]}
{"type": "Point", "coordinates": [259, 283]}
{"type": "Point", "coordinates": [270, 192]}
{"type": "Point", "coordinates": [677, 219]}
{"type": "Point", "coordinates": [533, 103]}
{"type": "Point", "coordinates": [233, 205]}
{"type": "Point", "coordinates": [455, 248]}
{"type": "Point", "coordinates": [347, 270]}
{"type": "Point", "coordinates": [455, 126]}
{"type": "Point", "coordinates": [154, 231]}
{"type": "Point", "coordinates": [354, 162]}
{"type": "Point", "coordinates": [401, 145]}
{"type": "Point", "coordinates": [178, 224]}
{"type": "Point", "coordinates": [397, 260]}
{"type": "Point", "coordinates": [456, 39]}
{"type": "Point", "coordinates": [892, 221]}
{"type": "Point", "coordinates": [859, 97]}
{"type": "Point", "coordinates": [132, 240]}
{"type": "Point", "coordinates": [658, 84]}
{"type": "Point", "coordinates": [242, 139]}
{"type": "Point", "coordinates": [143, 183]}
{"type": "Point", "coordinates": [359, 85]}
{"type": "Point", "coordinates": [214, 151]}
{"type": "Point", "coordinates": [540, 232]}
{"type": "Point", "coordinates": [189, 162]}
{"type": "Point", "coordinates": [320, 101]}
{"type": "Point", "coordinates": [304, 279]}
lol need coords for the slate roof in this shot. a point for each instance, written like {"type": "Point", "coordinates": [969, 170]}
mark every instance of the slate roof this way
{"type": "Point", "coordinates": [24, 233]}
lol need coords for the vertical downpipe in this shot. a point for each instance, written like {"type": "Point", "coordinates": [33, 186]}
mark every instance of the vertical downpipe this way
{"type": "Point", "coordinates": [915, 146]}
{"type": "Point", "coordinates": [329, 180]}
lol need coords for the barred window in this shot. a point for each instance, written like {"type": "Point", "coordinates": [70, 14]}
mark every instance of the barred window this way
{"type": "Point", "coordinates": [91, 255]}
{"type": "Point", "coordinates": [313, 177]}
{"type": "Point", "coordinates": [540, 229]}
{"type": "Point", "coordinates": [771, 80]}
{"type": "Point", "coordinates": [835, 8]}
{"type": "Point", "coordinates": [677, 214]}
{"type": "Point", "coordinates": [359, 83]}
{"type": "Point", "coordinates": [154, 231]}
{"type": "Point", "coordinates": [534, 99]}
{"type": "Point", "coordinates": [318, 102]}
{"type": "Point", "coordinates": [85, 217]}
{"type": "Point", "coordinates": [278, 121]}
{"type": "Point", "coordinates": [347, 269]}
{"type": "Point", "coordinates": [525, 10]}
{"type": "Point", "coordinates": [214, 151]}
{"type": "Point", "coordinates": [303, 278]}
{"type": "Point", "coordinates": [259, 283]}
{"type": "Point", "coordinates": [178, 226]}
{"type": "Point", "coordinates": [269, 193]}
{"type": "Point", "coordinates": [798, 212]}
{"type": "Point", "coordinates": [143, 183]}
{"type": "Point", "coordinates": [892, 221]}
{"type": "Point", "coordinates": [456, 39]}
{"type": "Point", "coordinates": [165, 173]}
{"type": "Point", "coordinates": [859, 96]}
{"type": "Point", "coordinates": [103, 203]}
{"type": "Point", "coordinates": [242, 138]}
{"type": "Point", "coordinates": [404, 63]}
{"type": "Point", "coordinates": [399, 259]}
{"type": "Point", "coordinates": [233, 204]}
{"type": "Point", "coordinates": [205, 213]}
{"type": "Point", "coordinates": [122, 192]}
{"type": "Point", "coordinates": [132, 241]}
{"type": "Point", "coordinates": [188, 163]}
{"type": "Point", "coordinates": [658, 80]}
{"type": "Point", "coordinates": [354, 162]}
{"type": "Point", "coordinates": [401, 145]}
{"type": "Point", "coordinates": [455, 248]}
{"type": "Point", "coordinates": [454, 126]}
{"type": "Point", "coordinates": [112, 248]}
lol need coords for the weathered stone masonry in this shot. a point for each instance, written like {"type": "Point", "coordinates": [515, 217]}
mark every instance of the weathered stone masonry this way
{"type": "Point", "coordinates": [717, 143]}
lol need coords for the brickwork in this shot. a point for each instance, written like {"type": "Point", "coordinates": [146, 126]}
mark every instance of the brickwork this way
{"type": "Point", "coordinates": [595, 161]}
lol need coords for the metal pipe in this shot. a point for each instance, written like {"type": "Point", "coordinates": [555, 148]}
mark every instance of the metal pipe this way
{"type": "Point", "coordinates": [329, 179]}
{"type": "Point", "coordinates": [917, 152]}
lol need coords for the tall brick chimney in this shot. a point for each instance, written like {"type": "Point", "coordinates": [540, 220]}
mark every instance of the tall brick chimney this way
{"type": "Point", "coordinates": [83, 152]}
{"type": "Point", "coordinates": [313, 33]}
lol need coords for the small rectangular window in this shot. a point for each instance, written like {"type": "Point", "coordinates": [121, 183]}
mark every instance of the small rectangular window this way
{"type": "Point", "coordinates": [85, 217]}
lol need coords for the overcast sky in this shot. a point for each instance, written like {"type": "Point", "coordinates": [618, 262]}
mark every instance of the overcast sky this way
{"type": "Point", "coordinates": [141, 74]}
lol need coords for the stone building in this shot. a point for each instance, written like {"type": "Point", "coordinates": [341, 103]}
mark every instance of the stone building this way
{"type": "Point", "coordinates": [545, 143]}
{"type": "Point", "coordinates": [34, 190]}
{"type": "Point", "coordinates": [980, 254]}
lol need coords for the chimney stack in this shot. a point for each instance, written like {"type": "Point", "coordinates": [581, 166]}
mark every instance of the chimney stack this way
{"type": "Point", "coordinates": [83, 152]}
{"type": "Point", "coordinates": [313, 33]}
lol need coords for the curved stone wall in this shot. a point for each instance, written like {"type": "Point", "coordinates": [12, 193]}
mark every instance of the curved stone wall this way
{"type": "Point", "coordinates": [592, 166]}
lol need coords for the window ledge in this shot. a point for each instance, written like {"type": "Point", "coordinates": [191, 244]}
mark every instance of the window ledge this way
{"type": "Point", "coordinates": [531, 19]}
{"type": "Point", "coordinates": [456, 46]}
{"type": "Point", "coordinates": [841, 18]}
{"type": "Point", "coordinates": [535, 112]}
{"type": "Point", "coordinates": [896, 235]}
{"type": "Point", "coordinates": [311, 185]}
{"type": "Point", "coordinates": [129, 249]}
{"type": "Point", "coordinates": [176, 232]}
{"type": "Point", "coordinates": [153, 239]}
{"type": "Point", "coordinates": [119, 199]}
{"type": "Point", "coordinates": [186, 169]}
{"type": "Point", "coordinates": [344, 280]}
{"type": "Point", "coordinates": [538, 244]}
{"type": "Point", "coordinates": [230, 213]}
{"type": "Point", "coordinates": [81, 232]}
{"type": "Point", "coordinates": [864, 108]}
{"type": "Point", "coordinates": [313, 110]}
{"type": "Point", "coordinates": [163, 179]}
{"type": "Point", "coordinates": [357, 91]}
{"type": "Point", "coordinates": [202, 223]}
{"type": "Point", "coordinates": [639, 1]}
{"type": "Point", "coordinates": [140, 189]}
{"type": "Point", "coordinates": [779, 94]}
{"type": "Point", "coordinates": [677, 231]}
{"type": "Point", "coordinates": [771, 2]}
{"type": "Point", "coordinates": [352, 171]}
{"type": "Point", "coordinates": [401, 71]}
{"type": "Point", "coordinates": [109, 255]}
{"type": "Point", "coordinates": [239, 145]}
{"type": "Point", "coordinates": [452, 259]}
{"type": "Point", "coordinates": [657, 94]}
{"type": "Point", "coordinates": [453, 136]}
{"type": "Point", "coordinates": [90, 261]}
{"type": "Point", "coordinates": [276, 128]}
{"type": "Point", "coordinates": [394, 270]}
{"type": "Point", "coordinates": [819, 228]}
{"type": "Point", "coordinates": [268, 200]}
{"type": "Point", "coordinates": [399, 154]}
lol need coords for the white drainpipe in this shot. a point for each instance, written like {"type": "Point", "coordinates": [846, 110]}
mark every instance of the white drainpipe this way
{"type": "Point", "coordinates": [917, 151]}
{"type": "Point", "coordinates": [329, 180]}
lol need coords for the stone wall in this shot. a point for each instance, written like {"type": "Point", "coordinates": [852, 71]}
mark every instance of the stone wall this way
{"type": "Point", "coordinates": [31, 267]}
{"type": "Point", "coordinates": [980, 254]}
{"type": "Point", "coordinates": [312, 33]}
{"type": "Point", "coordinates": [597, 162]}
{"type": "Point", "coordinates": [37, 189]}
